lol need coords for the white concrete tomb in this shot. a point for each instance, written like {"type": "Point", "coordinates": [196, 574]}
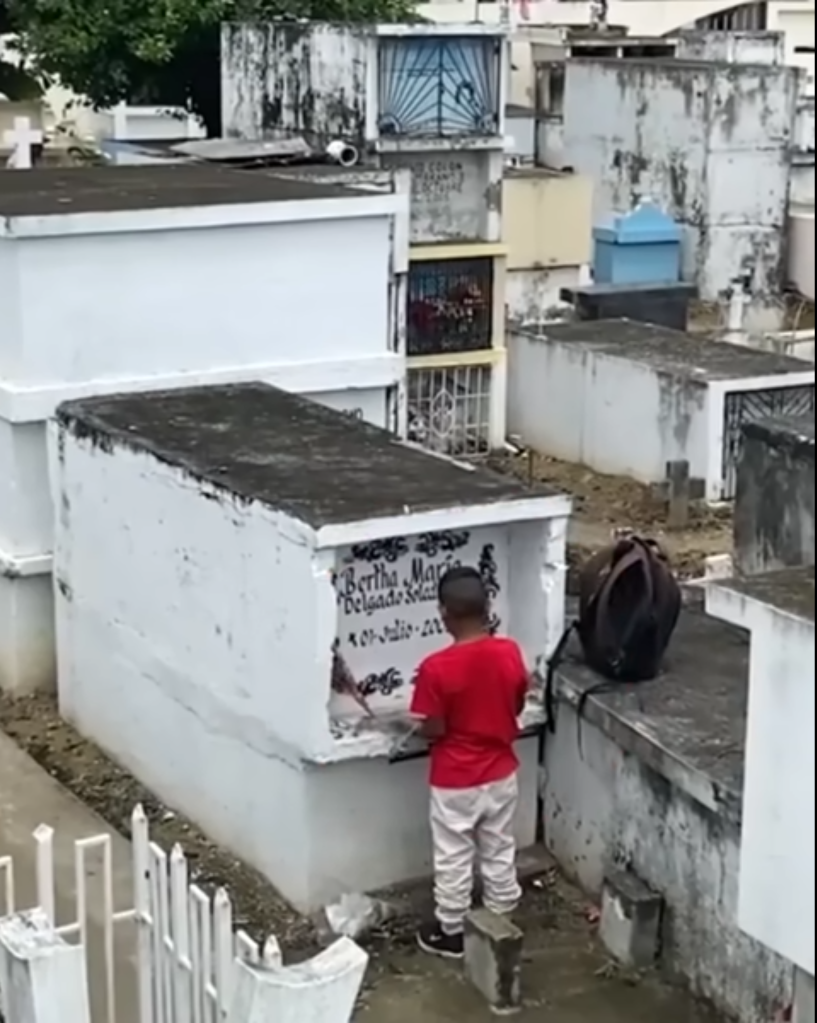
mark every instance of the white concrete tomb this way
{"type": "Point", "coordinates": [124, 279]}
{"type": "Point", "coordinates": [626, 398]}
{"type": "Point", "coordinates": [776, 904]}
{"type": "Point", "coordinates": [211, 546]}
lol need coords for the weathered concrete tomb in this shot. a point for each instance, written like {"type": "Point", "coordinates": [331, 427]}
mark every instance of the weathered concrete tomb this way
{"type": "Point", "coordinates": [212, 546]}
{"type": "Point", "coordinates": [774, 511]}
{"type": "Point", "coordinates": [627, 398]}
{"type": "Point", "coordinates": [199, 275]}
{"type": "Point", "coordinates": [701, 782]}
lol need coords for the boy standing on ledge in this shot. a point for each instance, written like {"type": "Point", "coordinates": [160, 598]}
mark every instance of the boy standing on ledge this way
{"type": "Point", "coordinates": [469, 697]}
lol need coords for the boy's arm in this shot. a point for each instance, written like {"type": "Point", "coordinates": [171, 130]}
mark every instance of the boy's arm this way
{"type": "Point", "coordinates": [525, 684]}
{"type": "Point", "coordinates": [427, 705]}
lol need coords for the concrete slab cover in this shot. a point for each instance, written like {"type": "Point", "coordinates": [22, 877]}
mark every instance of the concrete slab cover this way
{"type": "Point", "coordinates": [50, 192]}
{"type": "Point", "coordinates": [670, 351]}
{"type": "Point", "coordinates": [262, 443]}
{"type": "Point", "coordinates": [789, 590]}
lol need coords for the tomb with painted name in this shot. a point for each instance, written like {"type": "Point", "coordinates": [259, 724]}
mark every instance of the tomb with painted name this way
{"type": "Point", "coordinates": [138, 278]}
{"type": "Point", "coordinates": [219, 552]}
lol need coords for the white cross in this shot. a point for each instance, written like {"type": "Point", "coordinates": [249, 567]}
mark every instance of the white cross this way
{"type": "Point", "coordinates": [21, 138]}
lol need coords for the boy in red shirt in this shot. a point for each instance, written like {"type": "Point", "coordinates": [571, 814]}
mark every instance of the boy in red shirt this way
{"type": "Point", "coordinates": [469, 697]}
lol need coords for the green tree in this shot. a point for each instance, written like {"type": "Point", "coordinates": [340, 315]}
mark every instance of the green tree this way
{"type": "Point", "coordinates": [160, 51]}
{"type": "Point", "coordinates": [15, 81]}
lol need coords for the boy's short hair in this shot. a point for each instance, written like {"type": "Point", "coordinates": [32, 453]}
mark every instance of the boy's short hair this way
{"type": "Point", "coordinates": [462, 593]}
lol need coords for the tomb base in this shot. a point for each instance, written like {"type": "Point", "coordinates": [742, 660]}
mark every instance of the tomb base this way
{"type": "Point", "coordinates": [651, 778]}
{"type": "Point", "coordinates": [27, 658]}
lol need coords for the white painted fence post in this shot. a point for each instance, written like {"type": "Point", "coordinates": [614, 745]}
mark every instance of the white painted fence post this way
{"type": "Point", "coordinates": [42, 979]}
{"type": "Point", "coordinates": [322, 990]}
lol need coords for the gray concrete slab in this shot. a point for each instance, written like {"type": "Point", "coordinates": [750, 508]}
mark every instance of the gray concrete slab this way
{"type": "Point", "coordinates": [30, 797]}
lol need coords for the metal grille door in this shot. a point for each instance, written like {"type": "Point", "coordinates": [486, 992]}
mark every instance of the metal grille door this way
{"type": "Point", "coordinates": [741, 407]}
{"type": "Point", "coordinates": [440, 86]}
{"type": "Point", "coordinates": [449, 410]}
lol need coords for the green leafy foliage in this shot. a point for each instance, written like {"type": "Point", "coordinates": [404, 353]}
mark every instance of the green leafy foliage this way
{"type": "Point", "coordinates": [159, 51]}
{"type": "Point", "coordinates": [15, 82]}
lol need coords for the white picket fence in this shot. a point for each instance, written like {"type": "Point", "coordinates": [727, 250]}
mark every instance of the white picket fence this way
{"type": "Point", "coordinates": [188, 952]}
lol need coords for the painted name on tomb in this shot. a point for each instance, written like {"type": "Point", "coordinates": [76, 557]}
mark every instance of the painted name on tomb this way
{"type": "Point", "coordinates": [387, 600]}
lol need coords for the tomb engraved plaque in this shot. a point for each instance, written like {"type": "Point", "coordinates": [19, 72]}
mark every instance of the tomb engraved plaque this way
{"type": "Point", "coordinates": [388, 618]}
{"type": "Point", "coordinates": [437, 180]}
{"type": "Point", "coordinates": [447, 196]}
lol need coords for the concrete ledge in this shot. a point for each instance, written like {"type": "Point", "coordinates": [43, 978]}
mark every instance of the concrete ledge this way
{"type": "Point", "coordinates": [24, 566]}
{"type": "Point", "coordinates": [29, 404]}
{"type": "Point", "coordinates": [689, 724]}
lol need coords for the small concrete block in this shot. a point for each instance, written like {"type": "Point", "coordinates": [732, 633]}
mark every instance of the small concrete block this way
{"type": "Point", "coordinates": [493, 959]}
{"type": "Point", "coordinates": [630, 919]}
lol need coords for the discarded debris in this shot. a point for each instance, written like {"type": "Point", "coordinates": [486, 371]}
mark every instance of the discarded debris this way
{"type": "Point", "coordinates": [354, 916]}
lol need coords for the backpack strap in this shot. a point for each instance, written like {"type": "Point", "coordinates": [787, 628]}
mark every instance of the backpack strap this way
{"type": "Point", "coordinates": [553, 663]}
{"type": "Point", "coordinates": [591, 579]}
{"type": "Point", "coordinates": [639, 554]}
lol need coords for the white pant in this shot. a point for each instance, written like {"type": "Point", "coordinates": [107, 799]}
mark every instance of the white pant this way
{"type": "Point", "coordinates": [471, 826]}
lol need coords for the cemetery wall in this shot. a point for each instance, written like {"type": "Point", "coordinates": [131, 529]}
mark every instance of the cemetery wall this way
{"type": "Point", "coordinates": [547, 227]}
{"type": "Point", "coordinates": [776, 869]}
{"type": "Point", "coordinates": [191, 301]}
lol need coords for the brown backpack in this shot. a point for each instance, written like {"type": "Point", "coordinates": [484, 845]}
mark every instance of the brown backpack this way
{"type": "Point", "coordinates": [629, 604]}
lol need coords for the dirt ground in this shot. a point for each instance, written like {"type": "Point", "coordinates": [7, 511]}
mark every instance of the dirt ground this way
{"type": "Point", "coordinates": [564, 969]}
{"type": "Point", "coordinates": [604, 503]}
{"type": "Point", "coordinates": [566, 977]}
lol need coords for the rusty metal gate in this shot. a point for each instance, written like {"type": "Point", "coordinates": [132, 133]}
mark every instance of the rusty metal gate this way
{"type": "Point", "coordinates": [741, 407]}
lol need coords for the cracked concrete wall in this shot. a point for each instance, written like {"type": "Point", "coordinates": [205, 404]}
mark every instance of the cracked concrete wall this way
{"type": "Point", "coordinates": [709, 142]}
{"type": "Point", "coordinates": [774, 509]}
{"type": "Point", "coordinates": [305, 78]}
{"type": "Point", "coordinates": [605, 806]}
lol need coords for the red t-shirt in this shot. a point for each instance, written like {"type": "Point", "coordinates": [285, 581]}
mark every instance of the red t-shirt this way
{"type": "Point", "coordinates": [476, 689]}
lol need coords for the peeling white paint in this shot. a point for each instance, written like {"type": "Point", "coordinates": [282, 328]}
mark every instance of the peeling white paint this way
{"type": "Point", "coordinates": [42, 978]}
{"type": "Point", "coordinates": [565, 399]}
{"type": "Point", "coordinates": [604, 805]}
{"type": "Point", "coordinates": [708, 142]}
{"type": "Point", "coordinates": [213, 295]}
{"type": "Point", "coordinates": [215, 619]}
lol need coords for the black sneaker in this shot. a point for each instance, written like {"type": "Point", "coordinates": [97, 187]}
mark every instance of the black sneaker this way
{"type": "Point", "coordinates": [432, 939]}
